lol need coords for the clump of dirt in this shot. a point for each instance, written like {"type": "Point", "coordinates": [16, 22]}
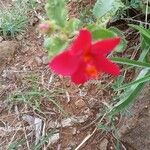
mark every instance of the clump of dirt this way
{"type": "Point", "coordinates": [7, 51]}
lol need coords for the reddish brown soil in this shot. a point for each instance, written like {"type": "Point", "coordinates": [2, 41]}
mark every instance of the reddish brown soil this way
{"type": "Point", "coordinates": [25, 69]}
{"type": "Point", "coordinates": [23, 66]}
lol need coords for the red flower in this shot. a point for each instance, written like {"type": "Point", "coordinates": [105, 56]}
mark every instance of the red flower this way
{"type": "Point", "coordinates": [85, 60]}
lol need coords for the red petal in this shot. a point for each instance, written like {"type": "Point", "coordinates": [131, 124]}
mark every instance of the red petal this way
{"type": "Point", "coordinates": [80, 76]}
{"type": "Point", "coordinates": [83, 42]}
{"type": "Point", "coordinates": [64, 63]}
{"type": "Point", "coordinates": [105, 65]}
{"type": "Point", "coordinates": [104, 47]}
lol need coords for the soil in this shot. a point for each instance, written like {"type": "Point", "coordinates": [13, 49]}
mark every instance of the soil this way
{"type": "Point", "coordinates": [26, 114]}
{"type": "Point", "coordinates": [135, 130]}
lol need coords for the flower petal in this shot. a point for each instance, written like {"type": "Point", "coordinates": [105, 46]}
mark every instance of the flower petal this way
{"type": "Point", "coordinates": [104, 47]}
{"type": "Point", "coordinates": [64, 63]}
{"type": "Point", "coordinates": [80, 76]}
{"type": "Point", "coordinates": [105, 65]}
{"type": "Point", "coordinates": [82, 42]}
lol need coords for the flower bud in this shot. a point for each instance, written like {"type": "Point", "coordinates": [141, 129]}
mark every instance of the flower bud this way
{"type": "Point", "coordinates": [46, 27]}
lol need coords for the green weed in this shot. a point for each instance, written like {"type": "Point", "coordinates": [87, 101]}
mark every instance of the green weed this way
{"type": "Point", "coordinates": [14, 19]}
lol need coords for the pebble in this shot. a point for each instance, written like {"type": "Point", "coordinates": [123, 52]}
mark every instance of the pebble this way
{"type": "Point", "coordinates": [80, 103]}
{"type": "Point", "coordinates": [74, 131]}
{"type": "Point", "coordinates": [68, 148]}
{"type": "Point", "coordinates": [57, 84]}
{"type": "Point", "coordinates": [54, 138]}
{"type": "Point", "coordinates": [38, 61]}
{"type": "Point", "coordinates": [45, 60]}
{"type": "Point", "coordinates": [7, 74]}
{"type": "Point", "coordinates": [103, 144]}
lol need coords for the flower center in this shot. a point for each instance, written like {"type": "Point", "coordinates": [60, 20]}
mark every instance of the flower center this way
{"type": "Point", "coordinates": [87, 57]}
{"type": "Point", "coordinates": [91, 70]}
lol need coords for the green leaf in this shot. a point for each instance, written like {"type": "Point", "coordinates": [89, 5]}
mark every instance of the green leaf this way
{"type": "Point", "coordinates": [130, 94]}
{"type": "Point", "coordinates": [134, 63]}
{"type": "Point", "coordinates": [136, 3]}
{"type": "Point", "coordinates": [102, 7]}
{"type": "Point", "coordinates": [47, 43]}
{"type": "Point", "coordinates": [105, 9]}
{"type": "Point", "coordinates": [102, 33]}
{"type": "Point", "coordinates": [118, 82]}
{"type": "Point", "coordinates": [56, 11]}
{"type": "Point", "coordinates": [54, 45]}
{"type": "Point", "coordinates": [141, 80]}
{"type": "Point", "coordinates": [93, 27]}
{"type": "Point", "coordinates": [16, 144]}
{"type": "Point", "coordinates": [72, 25]}
{"type": "Point", "coordinates": [145, 50]}
{"type": "Point", "coordinates": [145, 32]}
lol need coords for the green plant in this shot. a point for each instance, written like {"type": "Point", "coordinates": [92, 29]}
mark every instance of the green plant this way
{"type": "Point", "coordinates": [34, 95]}
{"type": "Point", "coordinates": [14, 19]}
{"type": "Point", "coordinates": [43, 140]}
{"type": "Point", "coordinates": [105, 10]}
{"type": "Point", "coordinates": [133, 89]}
{"type": "Point", "coordinates": [113, 10]}
{"type": "Point", "coordinates": [16, 144]}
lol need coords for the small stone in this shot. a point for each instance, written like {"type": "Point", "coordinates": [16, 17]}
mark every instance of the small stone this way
{"type": "Point", "coordinates": [68, 148]}
{"type": "Point", "coordinates": [66, 122]}
{"type": "Point", "coordinates": [116, 118]}
{"type": "Point", "coordinates": [80, 103]}
{"type": "Point", "coordinates": [45, 60]}
{"type": "Point", "coordinates": [57, 84]}
{"type": "Point", "coordinates": [38, 61]}
{"type": "Point", "coordinates": [111, 148]}
{"type": "Point", "coordinates": [54, 138]}
{"type": "Point", "coordinates": [78, 131]}
{"type": "Point", "coordinates": [103, 144]}
{"type": "Point", "coordinates": [74, 131]}
{"type": "Point", "coordinates": [1, 39]}
{"type": "Point", "coordinates": [7, 74]}
{"type": "Point", "coordinates": [19, 37]}
{"type": "Point", "coordinates": [72, 144]}
{"type": "Point", "coordinates": [79, 119]}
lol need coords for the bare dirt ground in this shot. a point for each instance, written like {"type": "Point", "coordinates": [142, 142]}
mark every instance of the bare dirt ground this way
{"type": "Point", "coordinates": [34, 102]}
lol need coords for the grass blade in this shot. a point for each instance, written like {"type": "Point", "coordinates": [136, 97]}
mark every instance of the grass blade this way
{"type": "Point", "coordinates": [141, 80]}
{"type": "Point", "coordinates": [134, 63]}
{"type": "Point", "coordinates": [130, 94]}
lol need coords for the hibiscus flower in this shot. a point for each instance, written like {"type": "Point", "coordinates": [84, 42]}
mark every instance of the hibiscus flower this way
{"type": "Point", "coordinates": [85, 60]}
